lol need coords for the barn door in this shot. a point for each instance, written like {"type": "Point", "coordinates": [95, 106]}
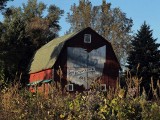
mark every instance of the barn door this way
{"type": "Point", "coordinates": [84, 67]}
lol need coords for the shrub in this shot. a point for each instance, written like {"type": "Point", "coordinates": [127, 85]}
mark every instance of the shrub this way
{"type": "Point", "coordinates": [116, 104]}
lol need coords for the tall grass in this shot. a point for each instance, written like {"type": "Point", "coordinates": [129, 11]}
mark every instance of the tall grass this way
{"type": "Point", "coordinates": [120, 104]}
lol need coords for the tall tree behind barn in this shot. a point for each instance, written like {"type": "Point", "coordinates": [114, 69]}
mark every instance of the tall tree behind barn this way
{"type": "Point", "coordinates": [145, 54]}
{"type": "Point", "coordinates": [83, 57]}
{"type": "Point", "coordinates": [24, 30]}
{"type": "Point", "coordinates": [111, 23]}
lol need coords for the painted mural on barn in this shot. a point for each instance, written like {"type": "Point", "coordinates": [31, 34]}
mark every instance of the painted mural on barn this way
{"type": "Point", "coordinates": [83, 67]}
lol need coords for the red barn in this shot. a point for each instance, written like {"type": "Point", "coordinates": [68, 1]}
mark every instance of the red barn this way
{"type": "Point", "coordinates": [75, 60]}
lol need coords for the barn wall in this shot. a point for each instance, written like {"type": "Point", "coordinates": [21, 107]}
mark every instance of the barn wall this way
{"type": "Point", "coordinates": [43, 88]}
{"type": "Point", "coordinates": [84, 67]}
{"type": "Point", "coordinates": [43, 75]}
{"type": "Point", "coordinates": [111, 65]}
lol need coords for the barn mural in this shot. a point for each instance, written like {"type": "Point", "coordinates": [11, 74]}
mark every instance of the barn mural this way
{"type": "Point", "coordinates": [76, 59]}
{"type": "Point", "coordinates": [84, 67]}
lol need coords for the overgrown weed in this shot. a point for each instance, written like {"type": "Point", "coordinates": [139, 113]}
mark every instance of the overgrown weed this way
{"type": "Point", "coordinates": [115, 104]}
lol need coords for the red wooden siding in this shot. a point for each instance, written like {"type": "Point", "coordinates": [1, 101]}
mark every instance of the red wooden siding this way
{"type": "Point", "coordinates": [111, 65]}
{"type": "Point", "coordinates": [43, 75]}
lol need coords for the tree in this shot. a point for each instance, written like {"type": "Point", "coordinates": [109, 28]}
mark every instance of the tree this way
{"type": "Point", "coordinates": [24, 30]}
{"type": "Point", "coordinates": [3, 5]}
{"type": "Point", "coordinates": [144, 58]}
{"type": "Point", "coordinates": [112, 24]}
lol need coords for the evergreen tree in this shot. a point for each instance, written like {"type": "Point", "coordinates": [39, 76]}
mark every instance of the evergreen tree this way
{"type": "Point", "coordinates": [144, 58]}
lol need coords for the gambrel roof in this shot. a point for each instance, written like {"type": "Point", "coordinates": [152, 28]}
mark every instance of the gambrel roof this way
{"type": "Point", "coordinates": [42, 58]}
{"type": "Point", "coordinates": [45, 57]}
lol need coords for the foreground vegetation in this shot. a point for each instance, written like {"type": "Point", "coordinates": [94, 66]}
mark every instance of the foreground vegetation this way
{"type": "Point", "coordinates": [120, 104]}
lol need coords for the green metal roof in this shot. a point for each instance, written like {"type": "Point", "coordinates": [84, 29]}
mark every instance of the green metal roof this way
{"type": "Point", "coordinates": [46, 56]}
{"type": "Point", "coordinates": [46, 81]}
{"type": "Point", "coordinates": [34, 83]}
{"type": "Point", "coordinates": [39, 81]}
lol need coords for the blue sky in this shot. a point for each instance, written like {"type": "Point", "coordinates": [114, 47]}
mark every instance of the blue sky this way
{"type": "Point", "coordinates": [138, 10]}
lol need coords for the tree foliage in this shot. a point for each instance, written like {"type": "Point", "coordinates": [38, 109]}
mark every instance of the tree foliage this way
{"type": "Point", "coordinates": [144, 58]}
{"type": "Point", "coordinates": [3, 4]}
{"type": "Point", "coordinates": [24, 30]}
{"type": "Point", "coordinates": [109, 22]}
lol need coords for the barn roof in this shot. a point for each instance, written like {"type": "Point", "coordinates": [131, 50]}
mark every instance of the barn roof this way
{"type": "Point", "coordinates": [45, 57]}
{"type": "Point", "coordinates": [42, 58]}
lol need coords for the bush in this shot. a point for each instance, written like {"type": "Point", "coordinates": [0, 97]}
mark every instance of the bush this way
{"type": "Point", "coordinates": [91, 105]}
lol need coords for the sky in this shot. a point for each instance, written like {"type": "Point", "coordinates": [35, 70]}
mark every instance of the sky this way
{"type": "Point", "coordinates": [138, 10]}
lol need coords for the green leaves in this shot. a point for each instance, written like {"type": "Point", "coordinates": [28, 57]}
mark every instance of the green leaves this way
{"type": "Point", "coordinates": [3, 4]}
{"type": "Point", "coordinates": [24, 30]}
{"type": "Point", "coordinates": [90, 105]}
{"type": "Point", "coordinates": [146, 54]}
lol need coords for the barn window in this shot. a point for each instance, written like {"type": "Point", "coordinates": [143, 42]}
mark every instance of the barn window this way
{"type": "Point", "coordinates": [70, 87]}
{"type": "Point", "coordinates": [103, 87]}
{"type": "Point", "coordinates": [87, 38]}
